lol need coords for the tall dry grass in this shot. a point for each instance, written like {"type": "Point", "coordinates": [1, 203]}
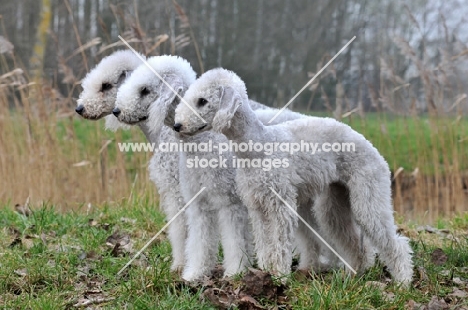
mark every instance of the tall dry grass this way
{"type": "Point", "coordinates": [419, 124]}
{"type": "Point", "coordinates": [42, 157]}
{"type": "Point", "coordinates": [48, 154]}
{"type": "Point", "coordinates": [432, 105]}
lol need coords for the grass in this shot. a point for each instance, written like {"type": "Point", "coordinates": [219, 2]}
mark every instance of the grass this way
{"type": "Point", "coordinates": [414, 142]}
{"type": "Point", "coordinates": [410, 142]}
{"type": "Point", "coordinates": [402, 141]}
{"type": "Point", "coordinates": [65, 256]}
{"type": "Point", "coordinates": [52, 260]}
{"type": "Point", "coordinates": [69, 162]}
{"type": "Point", "coordinates": [89, 195]}
{"type": "Point", "coordinates": [49, 155]}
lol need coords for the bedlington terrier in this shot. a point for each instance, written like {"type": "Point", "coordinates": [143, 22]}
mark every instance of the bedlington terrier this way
{"type": "Point", "coordinates": [97, 100]}
{"type": "Point", "coordinates": [361, 177]}
{"type": "Point", "coordinates": [217, 211]}
{"type": "Point", "coordinates": [219, 207]}
{"type": "Point", "coordinates": [100, 86]}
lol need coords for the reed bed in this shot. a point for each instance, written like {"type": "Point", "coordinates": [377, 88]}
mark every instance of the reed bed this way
{"type": "Point", "coordinates": [48, 154]}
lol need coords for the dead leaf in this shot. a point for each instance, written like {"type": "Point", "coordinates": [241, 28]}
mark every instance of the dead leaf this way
{"type": "Point", "coordinates": [259, 283]}
{"type": "Point", "coordinates": [443, 232]}
{"type": "Point", "coordinates": [302, 275]}
{"type": "Point", "coordinates": [15, 242]}
{"type": "Point", "coordinates": [437, 304]}
{"type": "Point", "coordinates": [85, 302]}
{"type": "Point", "coordinates": [458, 293]}
{"type": "Point", "coordinates": [21, 272]}
{"type": "Point", "coordinates": [27, 243]}
{"type": "Point", "coordinates": [14, 231]}
{"type": "Point", "coordinates": [51, 263]}
{"type": "Point", "coordinates": [52, 234]}
{"type": "Point", "coordinates": [43, 237]}
{"type": "Point", "coordinates": [142, 261]}
{"type": "Point", "coordinates": [218, 271]}
{"type": "Point", "coordinates": [422, 274]}
{"type": "Point", "coordinates": [118, 237]}
{"type": "Point", "coordinates": [93, 291]}
{"type": "Point", "coordinates": [376, 284]}
{"type": "Point", "coordinates": [83, 272]}
{"type": "Point", "coordinates": [64, 248]}
{"type": "Point", "coordinates": [116, 251]}
{"type": "Point", "coordinates": [427, 228]}
{"type": "Point", "coordinates": [388, 296]}
{"type": "Point", "coordinates": [458, 281]}
{"type": "Point", "coordinates": [452, 237]}
{"type": "Point", "coordinates": [412, 305]}
{"type": "Point", "coordinates": [120, 243]}
{"type": "Point", "coordinates": [439, 257]}
{"type": "Point", "coordinates": [445, 272]}
{"type": "Point", "coordinates": [92, 222]}
{"type": "Point", "coordinates": [206, 282]}
{"type": "Point", "coordinates": [249, 303]}
{"type": "Point", "coordinates": [218, 298]}
{"type": "Point", "coordinates": [127, 220]}
{"type": "Point", "coordinates": [91, 255]}
{"type": "Point", "coordinates": [82, 255]}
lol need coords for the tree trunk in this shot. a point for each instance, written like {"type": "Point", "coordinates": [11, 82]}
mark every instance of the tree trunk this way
{"type": "Point", "coordinates": [339, 101]}
{"type": "Point", "coordinates": [37, 59]}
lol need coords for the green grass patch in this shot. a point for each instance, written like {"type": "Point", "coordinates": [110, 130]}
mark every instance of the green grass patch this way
{"type": "Point", "coordinates": [53, 260]}
{"type": "Point", "coordinates": [433, 145]}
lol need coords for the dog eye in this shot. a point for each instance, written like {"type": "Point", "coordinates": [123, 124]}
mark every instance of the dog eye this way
{"type": "Point", "coordinates": [106, 87]}
{"type": "Point", "coordinates": [144, 91]}
{"type": "Point", "coordinates": [201, 102]}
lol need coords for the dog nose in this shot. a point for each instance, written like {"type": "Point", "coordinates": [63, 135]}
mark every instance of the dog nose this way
{"type": "Point", "coordinates": [177, 126]}
{"type": "Point", "coordinates": [79, 109]}
{"type": "Point", "coordinates": [116, 112]}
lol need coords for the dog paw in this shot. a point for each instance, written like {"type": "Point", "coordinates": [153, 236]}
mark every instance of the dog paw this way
{"type": "Point", "coordinates": [192, 276]}
{"type": "Point", "coordinates": [177, 268]}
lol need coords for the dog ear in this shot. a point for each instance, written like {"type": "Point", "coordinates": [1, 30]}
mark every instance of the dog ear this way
{"type": "Point", "coordinates": [168, 95]}
{"type": "Point", "coordinates": [230, 101]}
{"type": "Point", "coordinates": [123, 75]}
{"type": "Point", "coordinates": [163, 110]}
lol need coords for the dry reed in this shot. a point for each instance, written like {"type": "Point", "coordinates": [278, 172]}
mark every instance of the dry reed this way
{"type": "Point", "coordinates": [48, 154]}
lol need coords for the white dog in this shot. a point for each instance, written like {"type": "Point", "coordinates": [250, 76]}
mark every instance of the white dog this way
{"type": "Point", "coordinates": [349, 187]}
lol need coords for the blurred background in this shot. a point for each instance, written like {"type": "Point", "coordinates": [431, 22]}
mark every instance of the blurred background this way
{"type": "Point", "coordinates": [401, 83]}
